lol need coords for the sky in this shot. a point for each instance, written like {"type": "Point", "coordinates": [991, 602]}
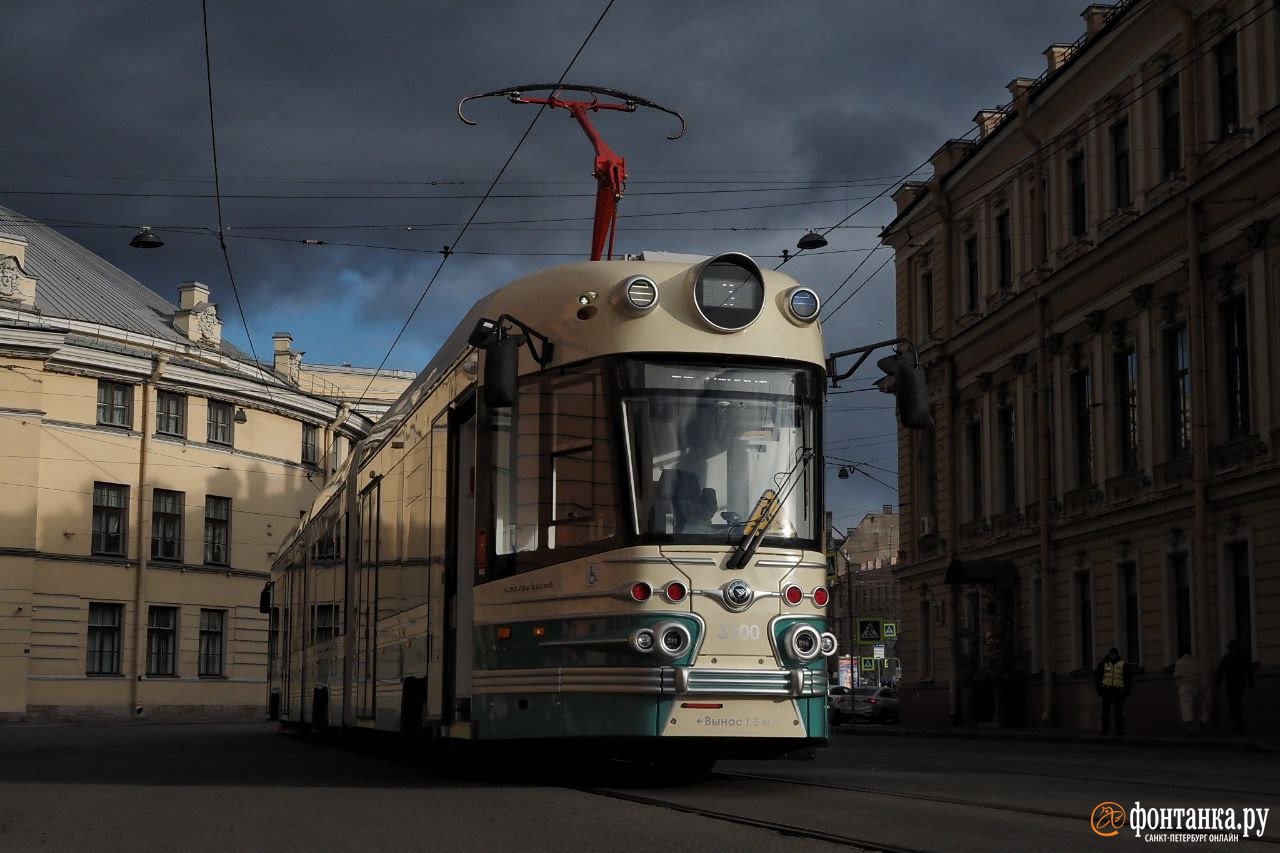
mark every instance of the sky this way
{"type": "Point", "coordinates": [336, 121]}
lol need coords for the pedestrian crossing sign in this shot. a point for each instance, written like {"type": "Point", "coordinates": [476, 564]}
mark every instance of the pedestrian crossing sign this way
{"type": "Point", "coordinates": [890, 630]}
{"type": "Point", "coordinates": [869, 631]}
{"type": "Point", "coordinates": [869, 664]}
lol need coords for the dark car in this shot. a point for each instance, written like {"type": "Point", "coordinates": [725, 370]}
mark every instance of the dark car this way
{"type": "Point", "coordinates": [839, 703]}
{"type": "Point", "coordinates": [875, 704]}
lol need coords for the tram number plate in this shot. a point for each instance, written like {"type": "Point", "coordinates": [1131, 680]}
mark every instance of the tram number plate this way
{"type": "Point", "coordinates": [738, 631]}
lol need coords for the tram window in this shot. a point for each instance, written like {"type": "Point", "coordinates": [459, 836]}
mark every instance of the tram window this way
{"type": "Point", "coordinates": [706, 442]}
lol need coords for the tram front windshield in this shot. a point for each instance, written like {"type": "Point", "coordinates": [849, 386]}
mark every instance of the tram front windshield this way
{"type": "Point", "coordinates": [705, 442]}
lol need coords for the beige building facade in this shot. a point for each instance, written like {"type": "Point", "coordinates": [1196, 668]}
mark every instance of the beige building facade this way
{"type": "Point", "coordinates": [1092, 284]}
{"type": "Point", "coordinates": [149, 472]}
{"type": "Point", "coordinates": [864, 589]}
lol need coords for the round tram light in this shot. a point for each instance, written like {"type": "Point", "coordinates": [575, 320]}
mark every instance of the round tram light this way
{"type": "Point", "coordinates": [640, 591]}
{"type": "Point", "coordinates": [803, 642]}
{"type": "Point", "coordinates": [639, 294]}
{"type": "Point", "coordinates": [821, 596]}
{"type": "Point", "coordinates": [643, 640]}
{"type": "Point", "coordinates": [675, 592]}
{"type": "Point", "coordinates": [793, 595]}
{"type": "Point", "coordinates": [828, 643]}
{"type": "Point", "coordinates": [674, 639]}
{"type": "Point", "coordinates": [802, 305]}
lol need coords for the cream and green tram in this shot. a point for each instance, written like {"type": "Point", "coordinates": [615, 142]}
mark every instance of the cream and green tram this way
{"type": "Point", "coordinates": [596, 515]}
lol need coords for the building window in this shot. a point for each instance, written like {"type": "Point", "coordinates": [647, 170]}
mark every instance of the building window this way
{"type": "Point", "coordinates": [1170, 128]}
{"type": "Point", "coordinates": [220, 422]}
{"type": "Point", "coordinates": [310, 447]}
{"type": "Point", "coordinates": [1235, 340]}
{"type": "Point", "coordinates": [1120, 163]}
{"type": "Point", "coordinates": [326, 622]}
{"type": "Point", "coordinates": [115, 404]}
{"type": "Point", "coordinates": [171, 414]}
{"type": "Point", "coordinates": [1177, 360]}
{"type": "Point", "coordinates": [1178, 590]}
{"type": "Point", "coordinates": [212, 642]}
{"type": "Point", "coordinates": [110, 518]}
{"type": "Point", "coordinates": [1126, 389]}
{"type": "Point", "coordinates": [1004, 239]}
{"type": "Point", "coordinates": [1045, 220]}
{"type": "Point", "coordinates": [974, 435]}
{"type": "Point", "coordinates": [1084, 618]}
{"type": "Point", "coordinates": [1079, 196]}
{"type": "Point", "coordinates": [1239, 605]}
{"type": "Point", "coordinates": [162, 641]}
{"type": "Point", "coordinates": [1051, 459]}
{"type": "Point", "coordinates": [1008, 426]}
{"type": "Point", "coordinates": [1129, 611]}
{"type": "Point", "coordinates": [1037, 625]}
{"type": "Point", "coordinates": [973, 280]}
{"type": "Point", "coordinates": [166, 525]}
{"type": "Point", "coordinates": [217, 528]}
{"type": "Point", "coordinates": [926, 640]}
{"type": "Point", "coordinates": [1228, 70]}
{"type": "Point", "coordinates": [103, 649]}
{"type": "Point", "coordinates": [928, 450]}
{"type": "Point", "coordinates": [926, 303]}
{"type": "Point", "coordinates": [1082, 422]}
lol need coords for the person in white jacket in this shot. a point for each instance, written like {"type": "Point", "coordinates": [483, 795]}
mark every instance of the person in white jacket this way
{"type": "Point", "coordinates": [1186, 676]}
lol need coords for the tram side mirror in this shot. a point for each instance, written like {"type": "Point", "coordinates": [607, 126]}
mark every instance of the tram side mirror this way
{"type": "Point", "coordinates": [502, 372]}
{"type": "Point", "coordinates": [264, 600]}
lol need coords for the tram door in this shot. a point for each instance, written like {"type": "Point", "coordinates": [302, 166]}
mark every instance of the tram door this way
{"type": "Point", "coordinates": [366, 602]}
{"type": "Point", "coordinates": [460, 568]}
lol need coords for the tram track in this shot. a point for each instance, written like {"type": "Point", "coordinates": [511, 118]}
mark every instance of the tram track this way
{"type": "Point", "coordinates": [786, 829]}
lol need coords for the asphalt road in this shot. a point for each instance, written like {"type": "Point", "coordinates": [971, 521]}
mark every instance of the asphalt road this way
{"type": "Point", "coordinates": [141, 787]}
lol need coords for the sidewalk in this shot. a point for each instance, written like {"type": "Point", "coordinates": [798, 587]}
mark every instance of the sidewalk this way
{"type": "Point", "coordinates": [1253, 743]}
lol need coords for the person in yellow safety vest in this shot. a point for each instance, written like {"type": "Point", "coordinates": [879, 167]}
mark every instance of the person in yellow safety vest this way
{"type": "Point", "coordinates": [1113, 681]}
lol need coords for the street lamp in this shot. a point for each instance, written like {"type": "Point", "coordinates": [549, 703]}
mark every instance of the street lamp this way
{"type": "Point", "coordinates": [812, 240]}
{"type": "Point", "coordinates": [146, 239]}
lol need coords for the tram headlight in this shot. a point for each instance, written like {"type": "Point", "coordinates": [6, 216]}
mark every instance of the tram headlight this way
{"type": "Point", "coordinates": [828, 643]}
{"type": "Point", "coordinates": [674, 639]}
{"type": "Point", "coordinates": [803, 642]}
{"type": "Point", "coordinates": [639, 295]}
{"type": "Point", "coordinates": [802, 305]}
{"type": "Point", "coordinates": [643, 640]}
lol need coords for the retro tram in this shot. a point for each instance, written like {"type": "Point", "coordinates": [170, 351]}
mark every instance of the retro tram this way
{"type": "Point", "coordinates": [595, 517]}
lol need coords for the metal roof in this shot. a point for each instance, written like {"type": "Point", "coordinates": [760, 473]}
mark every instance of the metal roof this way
{"type": "Point", "coordinates": [73, 282]}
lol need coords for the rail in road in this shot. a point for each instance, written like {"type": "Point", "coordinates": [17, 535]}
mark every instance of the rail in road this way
{"type": "Point", "coordinates": [1036, 806]}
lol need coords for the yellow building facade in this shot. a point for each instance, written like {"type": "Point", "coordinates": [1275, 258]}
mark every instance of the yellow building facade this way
{"type": "Point", "coordinates": [149, 472]}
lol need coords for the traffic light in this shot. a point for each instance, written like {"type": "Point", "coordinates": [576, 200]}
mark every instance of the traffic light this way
{"type": "Point", "coordinates": [905, 379]}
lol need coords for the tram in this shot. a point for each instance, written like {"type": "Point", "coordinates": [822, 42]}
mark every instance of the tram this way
{"type": "Point", "coordinates": [594, 519]}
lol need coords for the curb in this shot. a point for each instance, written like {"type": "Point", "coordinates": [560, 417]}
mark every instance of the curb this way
{"type": "Point", "coordinates": [973, 733]}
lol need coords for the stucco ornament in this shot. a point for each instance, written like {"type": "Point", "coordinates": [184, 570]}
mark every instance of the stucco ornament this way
{"type": "Point", "coordinates": [207, 323]}
{"type": "Point", "coordinates": [8, 275]}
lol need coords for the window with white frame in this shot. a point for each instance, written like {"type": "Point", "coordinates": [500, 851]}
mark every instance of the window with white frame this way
{"type": "Point", "coordinates": [1227, 71]}
{"type": "Point", "coordinates": [1128, 600]}
{"type": "Point", "coordinates": [221, 422]}
{"type": "Point", "coordinates": [1238, 598]}
{"type": "Point", "coordinates": [217, 530]}
{"type": "Point", "coordinates": [1178, 606]}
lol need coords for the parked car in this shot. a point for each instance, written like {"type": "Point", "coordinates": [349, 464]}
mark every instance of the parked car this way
{"type": "Point", "coordinates": [839, 703]}
{"type": "Point", "coordinates": [875, 704]}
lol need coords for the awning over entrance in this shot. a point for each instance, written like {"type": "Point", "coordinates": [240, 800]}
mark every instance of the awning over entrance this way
{"type": "Point", "coordinates": [981, 572]}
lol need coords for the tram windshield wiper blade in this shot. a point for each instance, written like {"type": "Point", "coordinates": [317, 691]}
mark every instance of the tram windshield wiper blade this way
{"type": "Point", "coordinates": [766, 510]}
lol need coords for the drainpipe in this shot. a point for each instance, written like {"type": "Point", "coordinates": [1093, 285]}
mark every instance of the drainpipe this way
{"type": "Point", "coordinates": [140, 540]}
{"type": "Point", "coordinates": [1044, 494]}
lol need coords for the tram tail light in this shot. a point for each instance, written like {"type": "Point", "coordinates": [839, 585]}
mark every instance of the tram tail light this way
{"type": "Point", "coordinates": [640, 591]}
{"type": "Point", "coordinates": [803, 642]}
{"type": "Point", "coordinates": [821, 596]}
{"type": "Point", "coordinates": [675, 591]}
{"type": "Point", "coordinates": [673, 638]}
{"type": "Point", "coordinates": [793, 595]}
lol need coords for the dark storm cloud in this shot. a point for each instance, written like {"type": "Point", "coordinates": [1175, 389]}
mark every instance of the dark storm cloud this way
{"type": "Point", "coordinates": [357, 100]}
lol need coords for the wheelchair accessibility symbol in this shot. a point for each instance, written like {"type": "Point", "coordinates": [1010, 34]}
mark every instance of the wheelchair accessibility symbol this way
{"type": "Point", "coordinates": [592, 580]}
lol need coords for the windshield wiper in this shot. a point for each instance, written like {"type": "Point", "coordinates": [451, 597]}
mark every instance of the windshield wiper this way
{"type": "Point", "coordinates": [766, 510]}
